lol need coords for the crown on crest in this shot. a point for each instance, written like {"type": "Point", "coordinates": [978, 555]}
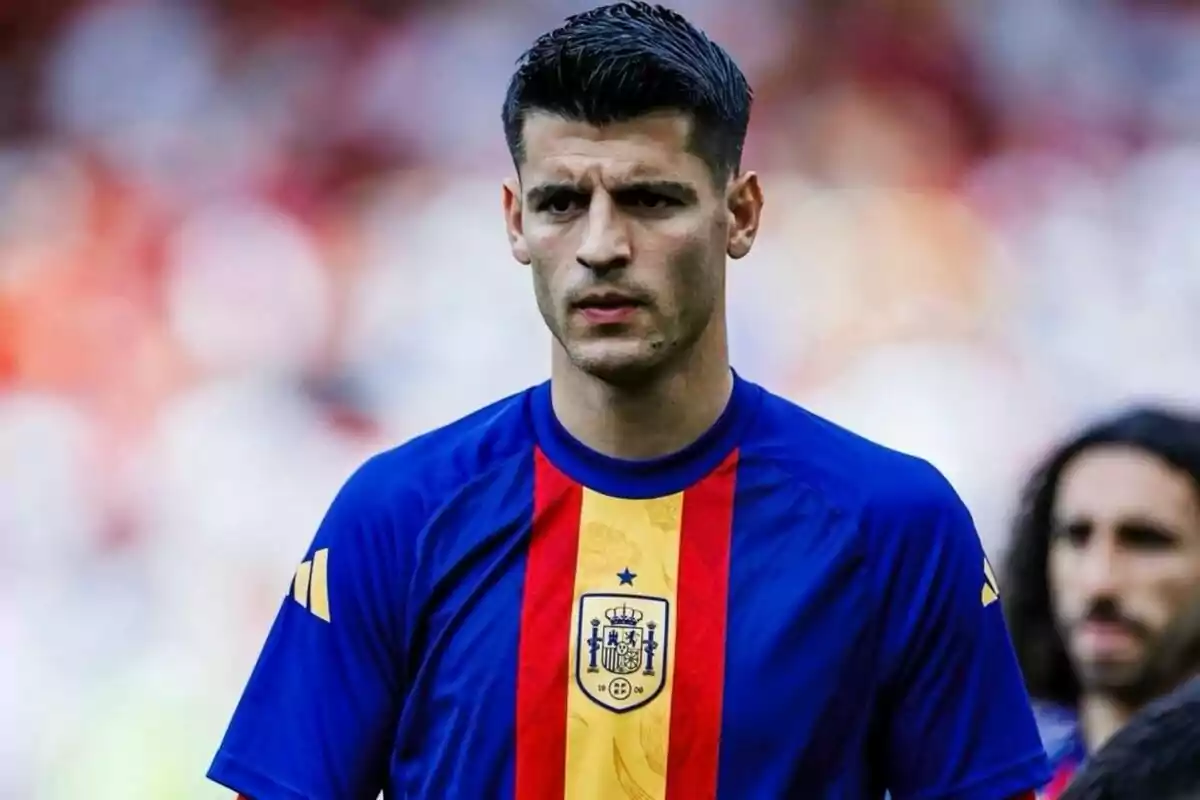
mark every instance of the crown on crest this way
{"type": "Point", "coordinates": [624, 615]}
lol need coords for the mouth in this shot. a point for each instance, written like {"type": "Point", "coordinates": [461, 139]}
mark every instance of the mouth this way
{"type": "Point", "coordinates": [1103, 639]}
{"type": "Point", "coordinates": [607, 308]}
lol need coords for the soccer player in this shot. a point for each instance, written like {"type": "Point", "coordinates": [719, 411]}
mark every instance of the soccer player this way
{"type": "Point", "coordinates": [647, 578]}
{"type": "Point", "coordinates": [1103, 578]}
{"type": "Point", "coordinates": [1155, 756]}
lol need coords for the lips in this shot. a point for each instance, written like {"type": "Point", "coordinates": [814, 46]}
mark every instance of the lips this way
{"type": "Point", "coordinates": [607, 308]}
{"type": "Point", "coordinates": [1105, 640]}
{"type": "Point", "coordinates": [606, 300]}
{"type": "Point", "coordinates": [1107, 630]}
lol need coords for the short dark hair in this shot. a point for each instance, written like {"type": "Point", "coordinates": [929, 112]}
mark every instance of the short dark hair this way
{"type": "Point", "coordinates": [1173, 437]}
{"type": "Point", "coordinates": [1156, 755]}
{"type": "Point", "coordinates": [621, 61]}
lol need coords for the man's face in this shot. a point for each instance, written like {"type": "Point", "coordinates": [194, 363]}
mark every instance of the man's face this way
{"type": "Point", "coordinates": [627, 235]}
{"type": "Point", "coordinates": [1124, 565]}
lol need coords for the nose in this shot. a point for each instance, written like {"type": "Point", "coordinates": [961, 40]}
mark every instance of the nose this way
{"type": "Point", "coordinates": [1099, 566]}
{"type": "Point", "coordinates": [605, 244]}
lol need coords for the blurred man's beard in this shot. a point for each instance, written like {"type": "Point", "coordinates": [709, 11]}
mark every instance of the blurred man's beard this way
{"type": "Point", "coordinates": [1169, 659]}
{"type": "Point", "coordinates": [1176, 657]}
{"type": "Point", "coordinates": [1128, 683]}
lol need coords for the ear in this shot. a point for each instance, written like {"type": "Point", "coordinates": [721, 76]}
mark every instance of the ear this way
{"type": "Point", "coordinates": [514, 219]}
{"type": "Point", "coordinates": [744, 202]}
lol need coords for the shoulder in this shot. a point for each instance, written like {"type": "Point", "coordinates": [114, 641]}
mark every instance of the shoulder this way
{"type": "Point", "coordinates": [1058, 727]}
{"type": "Point", "coordinates": [412, 477]}
{"type": "Point", "coordinates": [856, 472]}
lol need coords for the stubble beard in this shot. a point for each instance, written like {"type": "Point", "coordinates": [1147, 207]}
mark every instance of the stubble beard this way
{"type": "Point", "coordinates": [629, 363]}
{"type": "Point", "coordinates": [632, 362]}
{"type": "Point", "coordinates": [1157, 672]}
{"type": "Point", "coordinates": [1129, 684]}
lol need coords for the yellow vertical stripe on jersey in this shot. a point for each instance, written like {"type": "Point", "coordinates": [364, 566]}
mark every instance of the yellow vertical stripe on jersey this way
{"type": "Point", "coordinates": [609, 754]}
{"type": "Point", "coordinates": [318, 593]}
{"type": "Point", "coordinates": [300, 583]}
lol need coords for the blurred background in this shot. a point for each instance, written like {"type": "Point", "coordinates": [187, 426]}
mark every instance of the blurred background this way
{"type": "Point", "coordinates": [246, 243]}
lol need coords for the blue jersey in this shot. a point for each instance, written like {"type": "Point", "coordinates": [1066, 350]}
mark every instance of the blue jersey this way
{"type": "Point", "coordinates": [783, 609]}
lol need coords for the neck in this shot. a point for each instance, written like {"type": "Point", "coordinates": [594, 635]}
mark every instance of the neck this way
{"type": "Point", "coordinates": [1100, 717]}
{"type": "Point", "coordinates": [656, 419]}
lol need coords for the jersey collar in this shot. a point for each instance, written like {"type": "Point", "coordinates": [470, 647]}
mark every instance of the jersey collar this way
{"type": "Point", "coordinates": [646, 478]}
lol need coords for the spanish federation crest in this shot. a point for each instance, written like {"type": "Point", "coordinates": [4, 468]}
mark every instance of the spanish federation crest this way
{"type": "Point", "coordinates": [621, 650]}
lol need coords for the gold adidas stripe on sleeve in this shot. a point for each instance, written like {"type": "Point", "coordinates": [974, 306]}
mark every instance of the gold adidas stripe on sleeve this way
{"type": "Point", "coordinates": [991, 591]}
{"type": "Point", "coordinates": [310, 587]}
{"type": "Point", "coordinates": [318, 590]}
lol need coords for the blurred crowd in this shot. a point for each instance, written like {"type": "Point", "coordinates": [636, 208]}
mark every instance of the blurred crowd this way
{"type": "Point", "coordinates": [245, 243]}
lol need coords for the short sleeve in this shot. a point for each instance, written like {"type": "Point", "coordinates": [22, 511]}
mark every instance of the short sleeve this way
{"type": "Point", "coordinates": [958, 721]}
{"type": "Point", "coordinates": [317, 718]}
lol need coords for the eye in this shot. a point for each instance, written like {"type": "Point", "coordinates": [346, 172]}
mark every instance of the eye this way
{"type": "Point", "coordinates": [1145, 536]}
{"type": "Point", "coordinates": [645, 200]}
{"type": "Point", "coordinates": [1075, 532]}
{"type": "Point", "coordinates": [561, 203]}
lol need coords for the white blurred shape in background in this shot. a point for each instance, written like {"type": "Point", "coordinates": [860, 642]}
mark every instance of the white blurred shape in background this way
{"type": "Point", "coordinates": [246, 290]}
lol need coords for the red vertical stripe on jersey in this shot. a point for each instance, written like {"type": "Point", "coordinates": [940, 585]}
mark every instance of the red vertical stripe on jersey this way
{"type": "Point", "coordinates": [1061, 780]}
{"type": "Point", "coordinates": [541, 716]}
{"type": "Point", "coordinates": [700, 635]}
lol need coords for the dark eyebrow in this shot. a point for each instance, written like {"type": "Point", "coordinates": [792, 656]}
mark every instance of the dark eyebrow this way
{"type": "Point", "coordinates": [1137, 524]}
{"type": "Point", "coordinates": [680, 191]}
{"type": "Point", "coordinates": [543, 192]}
